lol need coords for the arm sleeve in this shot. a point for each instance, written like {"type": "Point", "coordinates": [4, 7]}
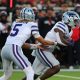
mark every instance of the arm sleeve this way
{"type": "Point", "coordinates": [35, 31]}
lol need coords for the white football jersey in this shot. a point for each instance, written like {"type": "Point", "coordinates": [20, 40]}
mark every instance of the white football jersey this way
{"type": "Point", "coordinates": [61, 26]}
{"type": "Point", "coordinates": [51, 35]}
{"type": "Point", "coordinates": [21, 32]}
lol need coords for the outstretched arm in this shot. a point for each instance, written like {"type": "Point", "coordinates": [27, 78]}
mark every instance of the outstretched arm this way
{"type": "Point", "coordinates": [31, 46]}
{"type": "Point", "coordinates": [45, 42]}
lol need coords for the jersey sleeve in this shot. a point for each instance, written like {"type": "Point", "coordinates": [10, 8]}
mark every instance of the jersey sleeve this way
{"type": "Point", "coordinates": [61, 26]}
{"type": "Point", "coordinates": [35, 30]}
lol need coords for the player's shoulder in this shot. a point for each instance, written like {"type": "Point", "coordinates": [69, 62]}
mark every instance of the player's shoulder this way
{"type": "Point", "coordinates": [61, 26]}
{"type": "Point", "coordinates": [60, 23]}
{"type": "Point", "coordinates": [14, 22]}
{"type": "Point", "coordinates": [33, 23]}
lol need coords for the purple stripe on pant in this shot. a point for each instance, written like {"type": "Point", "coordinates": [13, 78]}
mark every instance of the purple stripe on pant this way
{"type": "Point", "coordinates": [42, 55]}
{"type": "Point", "coordinates": [17, 55]}
{"type": "Point", "coordinates": [21, 56]}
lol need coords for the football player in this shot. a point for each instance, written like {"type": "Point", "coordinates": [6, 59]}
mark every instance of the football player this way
{"type": "Point", "coordinates": [45, 64]}
{"type": "Point", "coordinates": [21, 30]}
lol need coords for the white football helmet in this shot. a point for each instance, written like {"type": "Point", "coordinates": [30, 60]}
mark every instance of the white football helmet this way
{"type": "Point", "coordinates": [71, 18]}
{"type": "Point", "coordinates": [27, 14]}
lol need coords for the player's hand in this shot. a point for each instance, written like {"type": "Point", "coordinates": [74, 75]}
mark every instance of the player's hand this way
{"type": "Point", "coordinates": [71, 43]}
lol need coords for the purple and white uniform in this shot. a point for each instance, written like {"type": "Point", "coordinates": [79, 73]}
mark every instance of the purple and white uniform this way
{"type": "Point", "coordinates": [12, 50]}
{"type": "Point", "coordinates": [44, 58]}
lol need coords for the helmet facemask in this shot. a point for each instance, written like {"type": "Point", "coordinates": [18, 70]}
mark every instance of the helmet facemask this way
{"type": "Point", "coordinates": [73, 22]}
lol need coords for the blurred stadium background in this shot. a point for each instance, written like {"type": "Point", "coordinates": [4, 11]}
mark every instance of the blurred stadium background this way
{"type": "Point", "coordinates": [48, 12]}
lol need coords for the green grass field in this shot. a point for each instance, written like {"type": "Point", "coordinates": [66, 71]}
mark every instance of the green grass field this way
{"type": "Point", "coordinates": [62, 75]}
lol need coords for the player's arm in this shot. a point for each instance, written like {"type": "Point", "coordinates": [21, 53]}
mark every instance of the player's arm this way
{"type": "Point", "coordinates": [31, 46]}
{"type": "Point", "coordinates": [38, 37]}
{"type": "Point", "coordinates": [61, 37]}
{"type": "Point", "coordinates": [44, 42]}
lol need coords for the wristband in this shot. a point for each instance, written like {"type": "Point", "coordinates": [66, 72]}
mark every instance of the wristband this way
{"type": "Point", "coordinates": [33, 46]}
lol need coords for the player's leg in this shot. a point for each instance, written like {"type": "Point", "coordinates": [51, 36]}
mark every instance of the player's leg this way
{"type": "Point", "coordinates": [45, 66]}
{"type": "Point", "coordinates": [50, 72]}
{"type": "Point", "coordinates": [20, 59]}
{"type": "Point", "coordinates": [37, 67]}
{"type": "Point", "coordinates": [51, 62]}
{"type": "Point", "coordinates": [35, 77]}
{"type": "Point", "coordinates": [7, 64]}
{"type": "Point", "coordinates": [43, 71]}
{"type": "Point", "coordinates": [7, 67]}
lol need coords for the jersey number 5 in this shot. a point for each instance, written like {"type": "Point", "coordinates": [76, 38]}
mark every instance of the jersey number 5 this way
{"type": "Point", "coordinates": [15, 30]}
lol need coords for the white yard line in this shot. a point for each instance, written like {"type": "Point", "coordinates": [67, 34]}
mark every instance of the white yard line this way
{"type": "Point", "coordinates": [72, 70]}
{"type": "Point", "coordinates": [68, 77]}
